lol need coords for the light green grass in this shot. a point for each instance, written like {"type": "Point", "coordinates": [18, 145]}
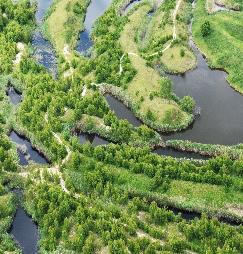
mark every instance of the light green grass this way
{"type": "Point", "coordinates": [157, 33]}
{"type": "Point", "coordinates": [190, 195]}
{"type": "Point", "coordinates": [175, 63]}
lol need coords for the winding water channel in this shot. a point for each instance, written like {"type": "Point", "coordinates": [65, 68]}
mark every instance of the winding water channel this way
{"type": "Point", "coordinates": [44, 52]}
{"type": "Point", "coordinates": [221, 120]}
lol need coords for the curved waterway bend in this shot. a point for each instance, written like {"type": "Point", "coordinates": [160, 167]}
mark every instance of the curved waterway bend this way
{"type": "Point", "coordinates": [122, 111]}
{"type": "Point", "coordinates": [44, 52]}
{"type": "Point", "coordinates": [221, 120]}
{"type": "Point", "coordinates": [94, 11]}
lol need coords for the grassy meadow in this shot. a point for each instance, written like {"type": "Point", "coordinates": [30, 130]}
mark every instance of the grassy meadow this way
{"type": "Point", "coordinates": [223, 46]}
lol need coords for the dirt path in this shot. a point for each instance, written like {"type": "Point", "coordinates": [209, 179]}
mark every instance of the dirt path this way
{"type": "Point", "coordinates": [129, 53]}
{"type": "Point", "coordinates": [56, 169]}
{"type": "Point", "coordinates": [175, 12]}
{"type": "Point", "coordinates": [174, 18]}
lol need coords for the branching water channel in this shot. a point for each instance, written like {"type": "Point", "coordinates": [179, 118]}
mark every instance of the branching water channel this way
{"type": "Point", "coordinates": [221, 118]}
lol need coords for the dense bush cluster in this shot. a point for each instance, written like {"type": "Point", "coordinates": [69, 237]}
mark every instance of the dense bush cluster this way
{"type": "Point", "coordinates": [108, 52]}
{"type": "Point", "coordinates": [7, 209]}
{"type": "Point", "coordinates": [110, 221]}
{"type": "Point", "coordinates": [88, 201]}
{"type": "Point", "coordinates": [218, 171]}
{"type": "Point", "coordinates": [16, 22]}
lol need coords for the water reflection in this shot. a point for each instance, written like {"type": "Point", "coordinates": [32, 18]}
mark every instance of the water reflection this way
{"type": "Point", "coordinates": [44, 52]}
{"type": "Point", "coordinates": [179, 154]}
{"type": "Point", "coordinates": [94, 11]}
{"type": "Point", "coordinates": [26, 151]}
{"type": "Point", "coordinates": [221, 117]}
{"type": "Point", "coordinates": [14, 96]}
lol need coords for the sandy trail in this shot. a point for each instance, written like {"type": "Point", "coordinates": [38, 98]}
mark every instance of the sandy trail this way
{"type": "Point", "coordinates": [175, 12]}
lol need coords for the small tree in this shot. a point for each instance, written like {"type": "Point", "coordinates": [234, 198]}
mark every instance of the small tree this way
{"type": "Point", "coordinates": [187, 104]}
{"type": "Point", "coordinates": [182, 52]}
{"type": "Point", "coordinates": [206, 29]}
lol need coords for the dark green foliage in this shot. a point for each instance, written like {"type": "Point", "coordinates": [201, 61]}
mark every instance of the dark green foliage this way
{"type": "Point", "coordinates": [206, 28]}
{"type": "Point", "coordinates": [187, 104]}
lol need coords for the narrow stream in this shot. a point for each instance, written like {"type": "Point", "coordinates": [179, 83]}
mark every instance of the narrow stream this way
{"type": "Point", "coordinates": [167, 151]}
{"type": "Point", "coordinates": [25, 150]}
{"type": "Point", "coordinates": [44, 52]}
{"type": "Point", "coordinates": [24, 230]}
{"type": "Point", "coordinates": [122, 111]}
{"type": "Point", "coordinates": [94, 11]}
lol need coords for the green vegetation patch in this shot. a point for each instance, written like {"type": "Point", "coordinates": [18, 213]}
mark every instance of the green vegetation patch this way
{"type": "Point", "coordinates": [178, 59]}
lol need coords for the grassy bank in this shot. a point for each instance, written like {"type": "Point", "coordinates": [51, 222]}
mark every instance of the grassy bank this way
{"type": "Point", "coordinates": [234, 151]}
{"type": "Point", "coordinates": [223, 46]}
{"type": "Point", "coordinates": [164, 37]}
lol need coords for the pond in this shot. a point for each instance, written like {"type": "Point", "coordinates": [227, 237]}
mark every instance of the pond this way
{"type": "Point", "coordinates": [25, 232]}
{"type": "Point", "coordinates": [25, 150]}
{"type": "Point", "coordinates": [23, 228]}
{"type": "Point", "coordinates": [94, 11]}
